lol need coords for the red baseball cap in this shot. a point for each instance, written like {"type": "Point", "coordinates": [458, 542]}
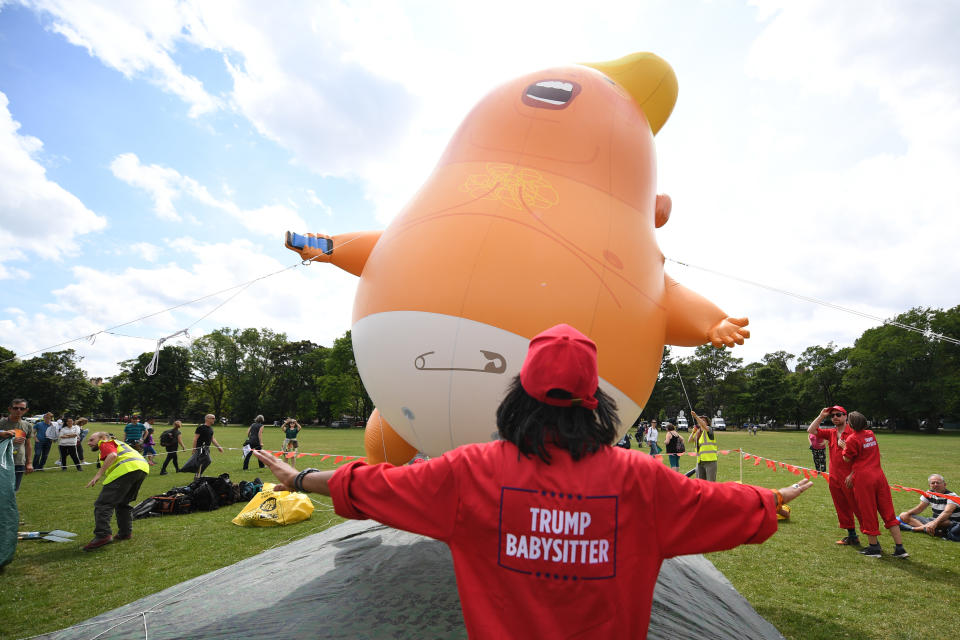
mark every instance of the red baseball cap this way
{"type": "Point", "coordinates": [837, 407]}
{"type": "Point", "coordinates": [561, 358]}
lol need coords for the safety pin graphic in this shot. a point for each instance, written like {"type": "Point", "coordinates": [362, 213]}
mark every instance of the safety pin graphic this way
{"type": "Point", "coordinates": [497, 364]}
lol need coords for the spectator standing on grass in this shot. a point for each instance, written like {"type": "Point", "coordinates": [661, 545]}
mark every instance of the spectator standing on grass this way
{"type": "Point", "coordinates": [133, 433]}
{"type": "Point", "coordinates": [43, 441]}
{"type": "Point", "coordinates": [946, 513]}
{"type": "Point", "coordinates": [173, 441]}
{"type": "Point", "coordinates": [67, 441]}
{"type": "Point", "coordinates": [254, 441]}
{"type": "Point", "coordinates": [652, 436]}
{"type": "Point", "coordinates": [42, 450]}
{"type": "Point", "coordinates": [14, 426]}
{"type": "Point", "coordinates": [552, 498]}
{"type": "Point", "coordinates": [148, 449]}
{"type": "Point", "coordinates": [123, 471]}
{"type": "Point", "coordinates": [291, 430]}
{"type": "Point", "coordinates": [870, 488]}
{"type": "Point", "coordinates": [202, 439]}
{"type": "Point", "coordinates": [673, 443]}
{"type": "Point", "coordinates": [84, 432]}
{"type": "Point", "coordinates": [706, 441]}
{"type": "Point", "coordinates": [844, 502]}
{"type": "Point", "coordinates": [818, 446]}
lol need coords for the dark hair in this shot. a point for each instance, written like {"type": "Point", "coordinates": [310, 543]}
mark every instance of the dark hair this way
{"type": "Point", "coordinates": [18, 401]}
{"type": "Point", "coordinates": [531, 424]}
{"type": "Point", "coordinates": [857, 421]}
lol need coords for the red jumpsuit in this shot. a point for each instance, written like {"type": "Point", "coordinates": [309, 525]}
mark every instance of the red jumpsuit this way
{"type": "Point", "coordinates": [870, 486]}
{"type": "Point", "coordinates": [560, 550]}
{"type": "Point", "coordinates": [843, 499]}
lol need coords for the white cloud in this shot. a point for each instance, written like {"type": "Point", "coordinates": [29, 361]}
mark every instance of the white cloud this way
{"type": "Point", "coordinates": [147, 251]}
{"type": "Point", "coordinates": [165, 186]}
{"type": "Point", "coordinates": [136, 39]}
{"type": "Point", "coordinates": [35, 212]}
{"type": "Point", "coordinates": [98, 299]}
{"type": "Point", "coordinates": [840, 183]}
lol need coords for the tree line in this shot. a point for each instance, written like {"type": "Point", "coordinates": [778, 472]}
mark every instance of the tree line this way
{"type": "Point", "coordinates": [234, 373]}
{"type": "Point", "coordinates": [898, 378]}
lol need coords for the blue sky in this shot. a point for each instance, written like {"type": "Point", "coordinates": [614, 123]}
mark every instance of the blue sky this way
{"type": "Point", "coordinates": [151, 153]}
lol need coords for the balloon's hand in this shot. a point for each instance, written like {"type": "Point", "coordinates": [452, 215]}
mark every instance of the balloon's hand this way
{"type": "Point", "coordinates": [728, 332]}
{"type": "Point", "coordinates": [312, 246]}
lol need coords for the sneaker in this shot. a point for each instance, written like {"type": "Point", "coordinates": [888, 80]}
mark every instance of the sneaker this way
{"type": "Point", "coordinates": [900, 552]}
{"type": "Point", "coordinates": [849, 540]}
{"type": "Point", "coordinates": [96, 543]}
{"type": "Point", "coordinates": [872, 551]}
{"type": "Point", "coordinates": [163, 473]}
{"type": "Point", "coordinates": [124, 536]}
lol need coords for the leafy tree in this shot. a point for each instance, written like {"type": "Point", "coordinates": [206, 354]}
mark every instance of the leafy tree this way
{"type": "Point", "coordinates": [905, 375]}
{"type": "Point", "coordinates": [165, 392]}
{"type": "Point", "coordinates": [210, 359]}
{"type": "Point", "coordinates": [710, 367]}
{"type": "Point", "coordinates": [9, 377]}
{"type": "Point", "coordinates": [53, 381]}
{"type": "Point", "coordinates": [294, 392]}
{"type": "Point", "coordinates": [342, 386]}
{"type": "Point", "coordinates": [667, 395]}
{"type": "Point", "coordinates": [250, 369]}
{"type": "Point", "coordinates": [827, 366]}
{"type": "Point", "coordinates": [108, 401]}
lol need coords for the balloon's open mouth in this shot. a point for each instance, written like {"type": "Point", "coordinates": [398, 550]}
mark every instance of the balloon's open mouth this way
{"type": "Point", "coordinates": [551, 94]}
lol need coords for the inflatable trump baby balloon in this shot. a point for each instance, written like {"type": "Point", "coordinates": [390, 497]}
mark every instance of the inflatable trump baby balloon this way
{"type": "Point", "coordinates": [542, 210]}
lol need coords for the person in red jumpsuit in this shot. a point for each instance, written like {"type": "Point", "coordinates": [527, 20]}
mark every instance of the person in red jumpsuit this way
{"type": "Point", "coordinates": [554, 532]}
{"type": "Point", "coordinates": [870, 488]}
{"type": "Point", "coordinates": [843, 500]}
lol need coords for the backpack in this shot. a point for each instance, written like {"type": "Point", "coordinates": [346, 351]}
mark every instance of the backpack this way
{"type": "Point", "coordinates": [167, 438]}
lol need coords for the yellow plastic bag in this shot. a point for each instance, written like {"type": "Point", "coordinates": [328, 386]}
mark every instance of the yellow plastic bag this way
{"type": "Point", "coordinates": [271, 508]}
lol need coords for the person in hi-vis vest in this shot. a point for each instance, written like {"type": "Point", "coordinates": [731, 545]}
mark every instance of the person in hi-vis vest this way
{"type": "Point", "coordinates": [706, 441]}
{"type": "Point", "coordinates": [123, 470]}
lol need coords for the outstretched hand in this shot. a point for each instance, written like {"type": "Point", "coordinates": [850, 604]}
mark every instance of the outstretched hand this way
{"type": "Point", "coordinates": [728, 332]}
{"type": "Point", "coordinates": [312, 246]}
{"type": "Point", "coordinates": [283, 472]}
{"type": "Point", "coordinates": [794, 490]}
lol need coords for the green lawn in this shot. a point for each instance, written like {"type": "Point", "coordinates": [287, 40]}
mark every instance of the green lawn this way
{"type": "Point", "coordinates": [799, 580]}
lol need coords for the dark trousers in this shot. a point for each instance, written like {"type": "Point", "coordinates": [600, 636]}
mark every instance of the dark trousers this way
{"type": "Point", "coordinates": [71, 451]}
{"type": "Point", "coordinates": [819, 459]}
{"type": "Point", "coordinates": [171, 457]}
{"type": "Point", "coordinates": [18, 471]}
{"type": "Point", "coordinates": [246, 458]}
{"type": "Point", "coordinates": [41, 453]}
{"type": "Point", "coordinates": [117, 496]}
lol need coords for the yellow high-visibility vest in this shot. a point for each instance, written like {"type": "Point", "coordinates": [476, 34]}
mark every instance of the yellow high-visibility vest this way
{"type": "Point", "coordinates": [127, 460]}
{"type": "Point", "coordinates": [706, 447]}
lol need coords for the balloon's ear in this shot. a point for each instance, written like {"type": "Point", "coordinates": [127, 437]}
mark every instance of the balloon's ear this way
{"type": "Point", "coordinates": [663, 207]}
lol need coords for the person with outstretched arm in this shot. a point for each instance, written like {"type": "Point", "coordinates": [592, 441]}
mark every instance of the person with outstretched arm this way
{"type": "Point", "coordinates": [844, 502]}
{"type": "Point", "coordinates": [554, 531]}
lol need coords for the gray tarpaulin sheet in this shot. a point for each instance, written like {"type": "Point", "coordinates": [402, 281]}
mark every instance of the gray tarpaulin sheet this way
{"type": "Point", "coordinates": [361, 579]}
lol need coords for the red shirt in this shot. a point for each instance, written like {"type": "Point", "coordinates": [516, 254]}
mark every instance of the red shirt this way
{"type": "Point", "coordinates": [863, 452]}
{"type": "Point", "coordinates": [559, 550]}
{"type": "Point", "coordinates": [106, 448]}
{"type": "Point", "coordinates": [838, 468]}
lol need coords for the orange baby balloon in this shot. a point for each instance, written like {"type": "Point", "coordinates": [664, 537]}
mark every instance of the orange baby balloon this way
{"type": "Point", "coordinates": [541, 210]}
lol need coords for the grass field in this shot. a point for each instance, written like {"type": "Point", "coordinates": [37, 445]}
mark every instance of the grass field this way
{"type": "Point", "coordinates": [803, 583]}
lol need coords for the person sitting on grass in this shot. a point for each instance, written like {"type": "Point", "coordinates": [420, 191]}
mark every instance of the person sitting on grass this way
{"type": "Point", "coordinates": [554, 531]}
{"type": "Point", "coordinates": [946, 513]}
{"type": "Point", "coordinates": [870, 487]}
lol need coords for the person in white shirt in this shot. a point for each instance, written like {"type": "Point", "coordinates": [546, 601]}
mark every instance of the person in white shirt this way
{"type": "Point", "coordinates": [651, 438]}
{"type": "Point", "coordinates": [67, 439]}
